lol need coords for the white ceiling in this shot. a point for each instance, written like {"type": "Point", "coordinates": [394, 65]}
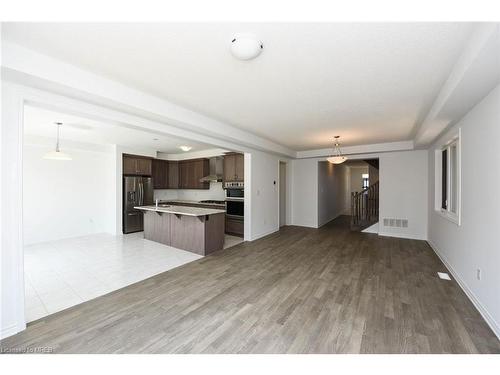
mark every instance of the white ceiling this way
{"type": "Point", "coordinates": [368, 83]}
{"type": "Point", "coordinates": [40, 122]}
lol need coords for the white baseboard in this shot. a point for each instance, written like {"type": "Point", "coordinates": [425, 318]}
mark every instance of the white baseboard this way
{"type": "Point", "coordinates": [401, 235]}
{"type": "Point", "coordinates": [495, 327]}
{"type": "Point", "coordinates": [260, 235]}
{"type": "Point", "coordinates": [372, 228]}
{"type": "Point", "coordinates": [8, 331]}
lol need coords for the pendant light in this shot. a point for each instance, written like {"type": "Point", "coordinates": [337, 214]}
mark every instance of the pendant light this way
{"type": "Point", "coordinates": [337, 157]}
{"type": "Point", "coordinates": [57, 154]}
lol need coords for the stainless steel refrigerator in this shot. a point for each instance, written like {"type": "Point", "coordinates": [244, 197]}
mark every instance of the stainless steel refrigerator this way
{"type": "Point", "coordinates": [137, 191]}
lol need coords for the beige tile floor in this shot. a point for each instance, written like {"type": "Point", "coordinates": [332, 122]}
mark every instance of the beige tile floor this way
{"type": "Point", "coordinates": [63, 273]}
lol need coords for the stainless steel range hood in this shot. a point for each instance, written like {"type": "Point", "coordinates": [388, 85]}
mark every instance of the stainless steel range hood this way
{"type": "Point", "coordinates": [216, 167]}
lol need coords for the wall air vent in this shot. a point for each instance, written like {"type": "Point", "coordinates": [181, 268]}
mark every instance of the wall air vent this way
{"type": "Point", "coordinates": [395, 223]}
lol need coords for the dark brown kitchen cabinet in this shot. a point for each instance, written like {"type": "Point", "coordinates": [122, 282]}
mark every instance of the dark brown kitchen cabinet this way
{"type": "Point", "coordinates": [160, 174]}
{"type": "Point", "coordinates": [173, 174]}
{"type": "Point", "coordinates": [234, 167]}
{"type": "Point", "coordinates": [234, 226]}
{"type": "Point", "coordinates": [190, 173]}
{"type": "Point", "coordinates": [137, 165]}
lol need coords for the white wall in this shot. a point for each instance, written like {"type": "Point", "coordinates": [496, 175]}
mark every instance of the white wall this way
{"type": "Point", "coordinates": [262, 187]}
{"type": "Point", "coordinates": [356, 178]}
{"type": "Point", "coordinates": [332, 189]}
{"type": "Point", "coordinates": [474, 244]}
{"type": "Point", "coordinates": [11, 254]}
{"type": "Point", "coordinates": [304, 194]}
{"type": "Point", "coordinates": [372, 174]}
{"type": "Point", "coordinates": [63, 199]}
{"type": "Point", "coordinates": [403, 192]}
{"type": "Point", "coordinates": [283, 193]}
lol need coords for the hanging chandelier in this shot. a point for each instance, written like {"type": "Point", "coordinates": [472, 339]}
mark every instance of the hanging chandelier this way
{"type": "Point", "coordinates": [57, 154]}
{"type": "Point", "coordinates": [337, 157]}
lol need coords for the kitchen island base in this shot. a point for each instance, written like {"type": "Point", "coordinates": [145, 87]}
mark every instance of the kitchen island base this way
{"type": "Point", "coordinates": [199, 234]}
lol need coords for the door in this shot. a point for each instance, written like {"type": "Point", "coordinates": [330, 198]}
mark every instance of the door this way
{"type": "Point", "coordinates": [133, 221]}
{"type": "Point", "coordinates": [132, 196]}
{"type": "Point", "coordinates": [147, 187]}
{"type": "Point", "coordinates": [282, 194]}
{"type": "Point", "coordinates": [131, 193]}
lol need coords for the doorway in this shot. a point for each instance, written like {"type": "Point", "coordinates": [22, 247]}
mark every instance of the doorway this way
{"type": "Point", "coordinates": [282, 193]}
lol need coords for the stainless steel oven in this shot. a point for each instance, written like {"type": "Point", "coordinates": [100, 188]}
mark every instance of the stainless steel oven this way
{"type": "Point", "coordinates": [235, 208]}
{"type": "Point", "coordinates": [234, 190]}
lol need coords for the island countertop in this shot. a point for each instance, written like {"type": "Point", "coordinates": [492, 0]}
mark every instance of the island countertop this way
{"type": "Point", "coordinates": [182, 210]}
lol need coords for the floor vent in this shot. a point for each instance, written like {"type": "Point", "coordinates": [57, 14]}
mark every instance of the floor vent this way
{"type": "Point", "coordinates": [396, 223]}
{"type": "Point", "coordinates": [444, 276]}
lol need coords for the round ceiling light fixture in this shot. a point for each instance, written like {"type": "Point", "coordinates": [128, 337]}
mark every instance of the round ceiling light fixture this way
{"type": "Point", "coordinates": [246, 46]}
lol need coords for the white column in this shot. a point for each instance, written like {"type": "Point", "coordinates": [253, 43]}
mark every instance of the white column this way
{"type": "Point", "coordinates": [12, 318]}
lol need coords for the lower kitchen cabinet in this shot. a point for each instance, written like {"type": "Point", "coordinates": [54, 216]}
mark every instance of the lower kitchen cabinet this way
{"type": "Point", "coordinates": [234, 226]}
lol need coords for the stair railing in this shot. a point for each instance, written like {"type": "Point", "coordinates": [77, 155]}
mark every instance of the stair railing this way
{"type": "Point", "coordinates": [364, 207]}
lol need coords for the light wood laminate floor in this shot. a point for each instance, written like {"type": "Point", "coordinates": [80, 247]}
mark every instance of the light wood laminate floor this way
{"type": "Point", "coordinates": [299, 290]}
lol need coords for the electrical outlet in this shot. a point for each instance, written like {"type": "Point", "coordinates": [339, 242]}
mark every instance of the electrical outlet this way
{"type": "Point", "coordinates": [478, 274]}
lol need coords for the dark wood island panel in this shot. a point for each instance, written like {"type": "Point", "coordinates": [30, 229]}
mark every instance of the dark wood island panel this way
{"type": "Point", "coordinates": [199, 234]}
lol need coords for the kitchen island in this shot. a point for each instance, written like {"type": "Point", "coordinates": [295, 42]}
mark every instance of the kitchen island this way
{"type": "Point", "coordinates": [195, 229]}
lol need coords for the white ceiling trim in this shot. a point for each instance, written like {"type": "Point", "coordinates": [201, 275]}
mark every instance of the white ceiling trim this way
{"type": "Point", "coordinates": [362, 149]}
{"type": "Point", "coordinates": [52, 74]}
{"type": "Point", "coordinates": [482, 50]}
{"type": "Point", "coordinates": [193, 155]}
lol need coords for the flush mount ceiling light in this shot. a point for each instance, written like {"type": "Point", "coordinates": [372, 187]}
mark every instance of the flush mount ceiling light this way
{"type": "Point", "coordinates": [185, 148]}
{"type": "Point", "coordinates": [246, 46]}
{"type": "Point", "coordinates": [337, 157]}
{"type": "Point", "coordinates": [57, 154]}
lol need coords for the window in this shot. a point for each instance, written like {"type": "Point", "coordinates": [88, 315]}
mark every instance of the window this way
{"type": "Point", "coordinates": [448, 185]}
{"type": "Point", "coordinates": [366, 181]}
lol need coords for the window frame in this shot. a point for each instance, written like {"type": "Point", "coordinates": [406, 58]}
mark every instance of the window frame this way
{"type": "Point", "coordinates": [447, 212]}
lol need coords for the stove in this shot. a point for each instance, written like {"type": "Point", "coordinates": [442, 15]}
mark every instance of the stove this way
{"type": "Point", "coordinates": [213, 202]}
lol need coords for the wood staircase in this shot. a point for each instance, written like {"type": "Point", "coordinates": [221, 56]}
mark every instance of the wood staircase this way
{"type": "Point", "coordinates": [364, 208]}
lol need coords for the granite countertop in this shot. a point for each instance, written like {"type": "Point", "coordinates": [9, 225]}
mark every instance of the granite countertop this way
{"type": "Point", "coordinates": [182, 210]}
{"type": "Point", "coordinates": [173, 201]}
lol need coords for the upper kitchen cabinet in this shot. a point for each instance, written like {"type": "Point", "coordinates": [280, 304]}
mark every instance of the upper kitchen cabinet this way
{"type": "Point", "coordinates": [234, 167]}
{"type": "Point", "coordinates": [173, 174]}
{"type": "Point", "coordinates": [190, 173]}
{"type": "Point", "coordinates": [137, 165]}
{"type": "Point", "coordinates": [160, 174]}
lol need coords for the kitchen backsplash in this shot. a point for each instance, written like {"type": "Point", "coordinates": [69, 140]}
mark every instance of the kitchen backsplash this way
{"type": "Point", "coordinates": [215, 192]}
